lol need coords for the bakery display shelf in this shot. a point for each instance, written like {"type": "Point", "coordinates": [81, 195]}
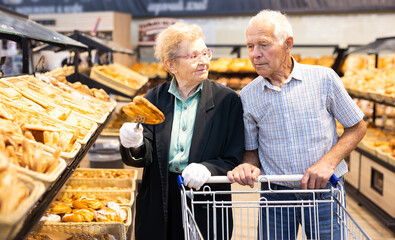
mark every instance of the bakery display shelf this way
{"type": "Point", "coordinates": [389, 101]}
{"type": "Point", "coordinates": [216, 75]}
{"type": "Point", "coordinates": [364, 200]}
{"type": "Point", "coordinates": [52, 190]}
{"type": "Point", "coordinates": [18, 28]}
{"type": "Point", "coordinates": [338, 51]}
{"type": "Point", "coordinates": [84, 78]}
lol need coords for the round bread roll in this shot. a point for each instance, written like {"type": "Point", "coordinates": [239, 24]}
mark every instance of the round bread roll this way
{"type": "Point", "coordinates": [234, 83]}
{"type": "Point", "coordinates": [142, 107]}
{"type": "Point", "coordinates": [245, 81]}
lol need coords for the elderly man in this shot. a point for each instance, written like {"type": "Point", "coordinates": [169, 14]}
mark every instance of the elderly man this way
{"type": "Point", "coordinates": [290, 128]}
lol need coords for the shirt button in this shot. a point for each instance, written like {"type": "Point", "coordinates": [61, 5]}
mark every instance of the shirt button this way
{"type": "Point", "coordinates": [184, 128]}
{"type": "Point", "coordinates": [182, 149]}
{"type": "Point", "coordinates": [177, 169]}
{"type": "Point", "coordinates": [185, 107]}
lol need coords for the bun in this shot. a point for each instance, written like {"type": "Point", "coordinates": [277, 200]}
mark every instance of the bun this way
{"type": "Point", "coordinates": [141, 106]}
{"type": "Point", "coordinates": [38, 236]}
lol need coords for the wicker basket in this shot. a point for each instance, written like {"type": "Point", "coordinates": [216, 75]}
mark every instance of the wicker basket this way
{"type": "Point", "coordinates": [115, 83]}
{"type": "Point", "coordinates": [46, 178]}
{"type": "Point", "coordinates": [62, 231]}
{"type": "Point", "coordinates": [90, 173]}
{"type": "Point", "coordinates": [115, 184]}
{"type": "Point", "coordinates": [90, 227]}
{"type": "Point", "coordinates": [11, 223]}
{"type": "Point", "coordinates": [128, 195]}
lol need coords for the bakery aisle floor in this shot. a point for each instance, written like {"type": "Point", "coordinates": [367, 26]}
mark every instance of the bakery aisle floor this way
{"type": "Point", "coordinates": [370, 223]}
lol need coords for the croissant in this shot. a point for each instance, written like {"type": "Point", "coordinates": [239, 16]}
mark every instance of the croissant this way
{"type": "Point", "coordinates": [142, 107]}
{"type": "Point", "coordinates": [79, 215]}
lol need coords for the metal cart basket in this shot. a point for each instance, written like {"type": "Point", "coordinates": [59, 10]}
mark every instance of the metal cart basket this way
{"type": "Point", "coordinates": [246, 213]}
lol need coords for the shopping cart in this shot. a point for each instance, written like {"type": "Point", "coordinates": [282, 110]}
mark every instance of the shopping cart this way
{"type": "Point", "coordinates": [246, 213]}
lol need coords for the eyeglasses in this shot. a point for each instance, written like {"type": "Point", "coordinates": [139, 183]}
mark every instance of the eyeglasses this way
{"type": "Point", "coordinates": [196, 55]}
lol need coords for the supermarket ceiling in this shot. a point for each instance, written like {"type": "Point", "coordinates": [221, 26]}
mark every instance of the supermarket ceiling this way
{"type": "Point", "coordinates": [162, 8]}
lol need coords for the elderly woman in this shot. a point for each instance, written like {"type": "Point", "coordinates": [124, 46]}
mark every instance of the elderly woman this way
{"type": "Point", "coordinates": [201, 136]}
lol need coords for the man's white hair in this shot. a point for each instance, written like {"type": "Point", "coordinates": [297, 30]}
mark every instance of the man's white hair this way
{"type": "Point", "coordinates": [282, 27]}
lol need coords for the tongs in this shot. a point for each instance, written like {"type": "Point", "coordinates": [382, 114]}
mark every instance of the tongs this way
{"type": "Point", "coordinates": [139, 119]}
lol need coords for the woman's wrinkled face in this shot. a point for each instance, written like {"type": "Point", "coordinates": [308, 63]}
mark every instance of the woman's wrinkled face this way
{"type": "Point", "coordinates": [192, 63]}
{"type": "Point", "coordinates": [266, 54]}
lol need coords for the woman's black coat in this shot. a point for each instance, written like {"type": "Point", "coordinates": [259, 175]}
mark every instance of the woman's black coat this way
{"type": "Point", "coordinates": [217, 143]}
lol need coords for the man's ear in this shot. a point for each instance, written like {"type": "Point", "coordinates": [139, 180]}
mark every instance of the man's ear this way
{"type": "Point", "coordinates": [289, 43]}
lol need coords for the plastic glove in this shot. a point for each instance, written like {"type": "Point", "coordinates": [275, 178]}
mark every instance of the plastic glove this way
{"type": "Point", "coordinates": [130, 136]}
{"type": "Point", "coordinates": [195, 175]}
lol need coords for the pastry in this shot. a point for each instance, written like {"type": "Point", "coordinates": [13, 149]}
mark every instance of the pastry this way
{"type": "Point", "coordinates": [59, 208]}
{"type": "Point", "coordinates": [142, 107]}
{"type": "Point", "coordinates": [107, 236]}
{"type": "Point", "coordinates": [87, 203]}
{"type": "Point", "coordinates": [108, 215]}
{"type": "Point", "coordinates": [3, 162]}
{"type": "Point", "coordinates": [79, 215]}
{"type": "Point", "coordinates": [38, 236]}
{"type": "Point", "coordinates": [81, 236]}
{"type": "Point", "coordinates": [49, 217]}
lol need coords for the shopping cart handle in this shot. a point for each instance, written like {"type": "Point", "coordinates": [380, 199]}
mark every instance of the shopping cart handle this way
{"type": "Point", "coordinates": [263, 178]}
{"type": "Point", "coordinates": [180, 181]}
{"type": "Point", "coordinates": [333, 179]}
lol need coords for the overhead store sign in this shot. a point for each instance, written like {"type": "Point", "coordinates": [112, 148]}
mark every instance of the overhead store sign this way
{"type": "Point", "coordinates": [162, 8]}
{"type": "Point", "coordinates": [149, 29]}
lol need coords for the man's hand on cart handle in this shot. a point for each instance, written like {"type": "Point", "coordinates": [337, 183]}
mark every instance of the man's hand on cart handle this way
{"type": "Point", "coordinates": [318, 175]}
{"type": "Point", "coordinates": [244, 174]}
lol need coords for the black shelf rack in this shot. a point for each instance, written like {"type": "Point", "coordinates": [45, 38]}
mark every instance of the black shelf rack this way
{"type": "Point", "coordinates": [99, 44]}
{"type": "Point", "coordinates": [42, 204]}
{"type": "Point", "coordinates": [18, 28]}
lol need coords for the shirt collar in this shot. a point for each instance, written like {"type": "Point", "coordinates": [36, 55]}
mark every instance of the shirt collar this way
{"type": "Point", "coordinates": [173, 89]}
{"type": "Point", "coordinates": [296, 74]}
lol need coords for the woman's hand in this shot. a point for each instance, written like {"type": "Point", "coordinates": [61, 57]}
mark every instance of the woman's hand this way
{"type": "Point", "coordinates": [195, 175]}
{"type": "Point", "coordinates": [131, 136]}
